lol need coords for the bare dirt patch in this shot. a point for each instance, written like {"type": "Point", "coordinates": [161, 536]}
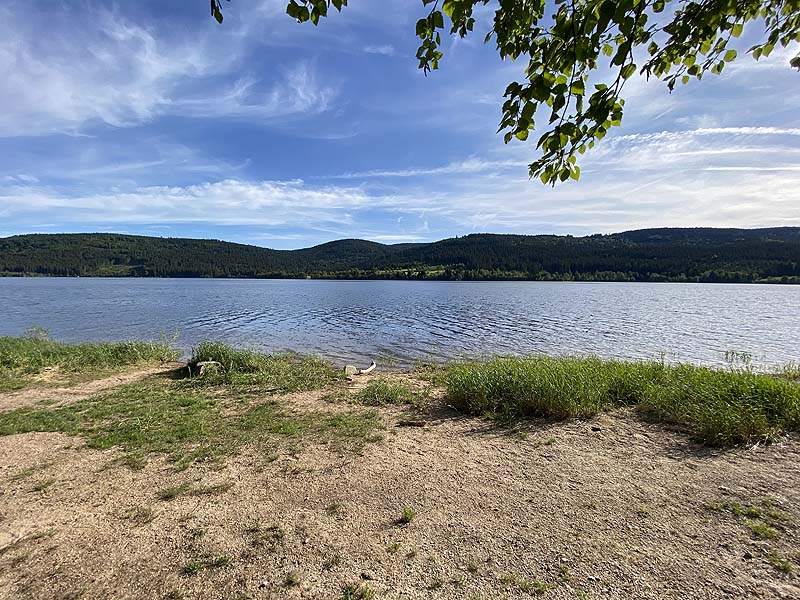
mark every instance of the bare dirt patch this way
{"type": "Point", "coordinates": [457, 508]}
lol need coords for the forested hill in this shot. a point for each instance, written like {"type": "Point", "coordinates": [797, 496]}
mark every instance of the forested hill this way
{"type": "Point", "coordinates": [698, 254]}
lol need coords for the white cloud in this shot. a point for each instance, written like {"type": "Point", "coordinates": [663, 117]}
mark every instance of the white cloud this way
{"type": "Point", "coordinates": [385, 49]}
{"type": "Point", "coordinates": [228, 202]}
{"type": "Point", "coordinates": [103, 68]}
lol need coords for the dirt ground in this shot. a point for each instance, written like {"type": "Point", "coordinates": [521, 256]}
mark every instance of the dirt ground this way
{"type": "Point", "coordinates": [612, 508]}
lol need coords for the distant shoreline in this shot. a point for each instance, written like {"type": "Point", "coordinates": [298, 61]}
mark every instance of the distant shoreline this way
{"type": "Point", "coordinates": [765, 281]}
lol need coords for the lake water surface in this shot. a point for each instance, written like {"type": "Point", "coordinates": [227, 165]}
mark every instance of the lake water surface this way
{"type": "Point", "coordinates": [401, 321]}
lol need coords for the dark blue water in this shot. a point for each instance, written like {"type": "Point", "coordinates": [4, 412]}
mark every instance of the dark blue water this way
{"type": "Point", "coordinates": [399, 322]}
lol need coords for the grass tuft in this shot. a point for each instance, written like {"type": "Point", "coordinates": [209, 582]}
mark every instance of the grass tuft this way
{"type": "Point", "coordinates": [186, 489]}
{"type": "Point", "coordinates": [277, 372]}
{"type": "Point", "coordinates": [762, 531]}
{"type": "Point", "coordinates": [384, 391]}
{"type": "Point", "coordinates": [193, 567]}
{"type": "Point", "coordinates": [407, 516]}
{"type": "Point", "coordinates": [357, 591]}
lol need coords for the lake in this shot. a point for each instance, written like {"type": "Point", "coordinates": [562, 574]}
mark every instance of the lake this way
{"type": "Point", "coordinates": [398, 322]}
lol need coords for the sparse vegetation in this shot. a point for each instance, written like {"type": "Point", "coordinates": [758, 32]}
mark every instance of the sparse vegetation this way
{"type": "Point", "coordinates": [268, 538]}
{"type": "Point", "coordinates": [23, 358]}
{"type": "Point", "coordinates": [781, 564]}
{"type": "Point", "coordinates": [193, 567]}
{"type": "Point", "coordinates": [187, 422]}
{"type": "Point", "coordinates": [187, 489]}
{"type": "Point", "coordinates": [292, 579]}
{"type": "Point", "coordinates": [42, 485]}
{"type": "Point", "coordinates": [719, 408]}
{"type": "Point", "coordinates": [332, 560]}
{"type": "Point", "coordinates": [533, 587]}
{"type": "Point", "coordinates": [140, 515]}
{"type": "Point", "coordinates": [357, 591]}
{"type": "Point", "coordinates": [762, 523]}
{"type": "Point", "coordinates": [762, 531]}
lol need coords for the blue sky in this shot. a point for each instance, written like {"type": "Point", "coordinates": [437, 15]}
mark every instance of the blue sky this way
{"type": "Point", "coordinates": [149, 118]}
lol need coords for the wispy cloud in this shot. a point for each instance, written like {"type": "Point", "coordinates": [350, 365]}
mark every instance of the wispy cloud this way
{"type": "Point", "coordinates": [103, 68]}
{"type": "Point", "coordinates": [385, 49]}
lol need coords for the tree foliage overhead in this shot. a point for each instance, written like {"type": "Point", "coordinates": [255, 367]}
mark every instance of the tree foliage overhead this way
{"type": "Point", "coordinates": [580, 56]}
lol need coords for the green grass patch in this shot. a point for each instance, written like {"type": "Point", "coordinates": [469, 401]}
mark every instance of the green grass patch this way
{"type": "Point", "coordinates": [384, 391]}
{"type": "Point", "coordinates": [23, 358]}
{"type": "Point", "coordinates": [188, 423]}
{"type": "Point", "coordinates": [274, 372]}
{"type": "Point", "coordinates": [719, 408]}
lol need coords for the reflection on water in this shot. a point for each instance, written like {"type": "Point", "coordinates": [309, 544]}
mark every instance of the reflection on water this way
{"type": "Point", "coordinates": [405, 321]}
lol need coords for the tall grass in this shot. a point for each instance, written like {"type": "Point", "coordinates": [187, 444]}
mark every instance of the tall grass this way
{"type": "Point", "coordinates": [281, 372]}
{"type": "Point", "coordinates": [719, 408]}
{"type": "Point", "coordinates": [21, 358]}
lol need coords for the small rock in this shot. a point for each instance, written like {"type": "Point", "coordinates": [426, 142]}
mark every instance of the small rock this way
{"type": "Point", "coordinates": [596, 428]}
{"type": "Point", "coordinates": [747, 555]}
{"type": "Point", "coordinates": [263, 584]}
{"type": "Point", "coordinates": [367, 576]}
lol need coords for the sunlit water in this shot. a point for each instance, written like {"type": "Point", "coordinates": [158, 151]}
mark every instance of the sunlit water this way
{"type": "Point", "coordinates": [399, 322]}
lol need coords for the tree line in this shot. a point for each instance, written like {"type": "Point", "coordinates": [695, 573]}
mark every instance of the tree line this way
{"type": "Point", "coordinates": [691, 255]}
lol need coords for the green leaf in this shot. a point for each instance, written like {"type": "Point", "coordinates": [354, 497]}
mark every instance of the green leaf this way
{"type": "Point", "coordinates": [628, 70]}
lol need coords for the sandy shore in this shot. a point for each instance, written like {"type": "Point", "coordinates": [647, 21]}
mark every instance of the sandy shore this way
{"type": "Point", "coordinates": [612, 508]}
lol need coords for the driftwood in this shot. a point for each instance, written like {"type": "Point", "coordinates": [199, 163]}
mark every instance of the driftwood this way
{"type": "Point", "coordinates": [351, 370]}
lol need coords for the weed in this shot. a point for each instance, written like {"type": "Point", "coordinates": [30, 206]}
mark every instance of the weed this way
{"type": "Point", "coordinates": [357, 591]}
{"type": "Point", "coordinates": [472, 567]}
{"type": "Point", "coordinates": [23, 474]}
{"type": "Point", "coordinates": [783, 565]}
{"type": "Point", "coordinates": [42, 485]}
{"type": "Point", "coordinates": [435, 583]}
{"type": "Point", "coordinates": [332, 560]}
{"type": "Point", "coordinates": [292, 579]}
{"type": "Point", "coordinates": [774, 514]}
{"type": "Point", "coordinates": [268, 538]}
{"type": "Point", "coordinates": [393, 548]}
{"type": "Point", "coordinates": [407, 516]}
{"type": "Point", "coordinates": [761, 531]}
{"type": "Point", "coordinates": [186, 489]}
{"type": "Point", "coordinates": [140, 515]}
{"type": "Point", "coordinates": [533, 586]}
{"type": "Point", "coordinates": [528, 586]}
{"type": "Point", "coordinates": [193, 567]}
{"type": "Point", "coordinates": [334, 508]}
